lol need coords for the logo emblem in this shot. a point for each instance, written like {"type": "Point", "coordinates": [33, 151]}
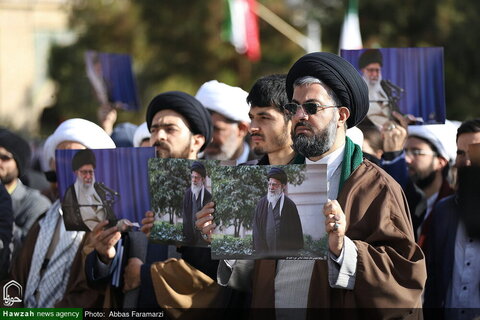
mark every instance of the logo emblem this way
{"type": "Point", "coordinates": [10, 300]}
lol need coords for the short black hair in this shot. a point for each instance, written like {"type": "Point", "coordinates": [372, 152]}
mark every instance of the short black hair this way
{"type": "Point", "coordinates": [269, 91]}
{"type": "Point", "coordinates": [469, 126]}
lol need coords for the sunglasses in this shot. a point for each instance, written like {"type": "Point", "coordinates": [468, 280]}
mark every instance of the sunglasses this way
{"type": "Point", "coordinates": [308, 107]}
{"type": "Point", "coordinates": [5, 157]}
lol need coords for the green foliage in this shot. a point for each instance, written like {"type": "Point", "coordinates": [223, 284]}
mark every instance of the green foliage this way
{"type": "Point", "coordinates": [236, 191]}
{"type": "Point", "coordinates": [231, 247]}
{"type": "Point", "coordinates": [168, 180]}
{"type": "Point", "coordinates": [165, 232]}
{"type": "Point", "coordinates": [314, 248]}
{"type": "Point", "coordinates": [177, 45]}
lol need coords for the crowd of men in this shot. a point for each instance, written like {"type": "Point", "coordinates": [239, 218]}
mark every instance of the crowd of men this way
{"type": "Point", "coordinates": [401, 228]}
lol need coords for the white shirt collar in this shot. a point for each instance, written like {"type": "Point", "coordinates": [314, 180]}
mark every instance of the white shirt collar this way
{"type": "Point", "coordinates": [333, 160]}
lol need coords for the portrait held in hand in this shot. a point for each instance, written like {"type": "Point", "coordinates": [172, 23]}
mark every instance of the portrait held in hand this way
{"type": "Point", "coordinates": [87, 202]}
{"type": "Point", "coordinates": [276, 225]}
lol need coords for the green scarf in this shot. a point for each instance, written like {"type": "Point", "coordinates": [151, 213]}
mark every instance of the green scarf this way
{"type": "Point", "coordinates": [352, 158]}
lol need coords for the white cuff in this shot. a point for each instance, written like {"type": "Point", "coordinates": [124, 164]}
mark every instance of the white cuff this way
{"type": "Point", "coordinates": [342, 270]}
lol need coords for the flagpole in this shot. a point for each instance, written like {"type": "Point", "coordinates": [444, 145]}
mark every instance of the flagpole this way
{"type": "Point", "coordinates": [283, 27]}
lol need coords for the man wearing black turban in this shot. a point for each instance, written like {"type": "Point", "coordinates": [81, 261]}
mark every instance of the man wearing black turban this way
{"type": "Point", "coordinates": [180, 127]}
{"type": "Point", "coordinates": [277, 229]}
{"type": "Point", "coordinates": [86, 202]}
{"type": "Point", "coordinates": [383, 95]}
{"type": "Point", "coordinates": [196, 196]}
{"type": "Point", "coordinates": [368, 226]}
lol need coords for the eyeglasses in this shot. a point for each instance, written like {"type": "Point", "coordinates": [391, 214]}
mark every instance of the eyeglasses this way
{"type": "Point", "coordinates": [273, 184]}
{"type": "Point", "coordinates": [5, 157]}
{"type": "Point", "coordinates": [419, 152]}
{"type": "Point", "coordinates": [309, 107]}
{"type": "Point", "coordinates": [85, 172]}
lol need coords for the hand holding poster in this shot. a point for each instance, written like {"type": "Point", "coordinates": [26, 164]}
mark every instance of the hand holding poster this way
{"type": "Point", "coordinates": [269, 212]}
{"type": "Point", "coordinates": [179, 188]}
{"type": "Point", "coordinates": [112, 79]}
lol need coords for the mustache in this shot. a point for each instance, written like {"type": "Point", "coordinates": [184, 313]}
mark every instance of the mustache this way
{"type": "Point", "coordinates": [257, 135]}
{"type": "Point", "coordinates": [214, 145]}
{"type": "Point", "coordinates": [303, 124]}
{"type": "Point", "coordinates": [161, 145]}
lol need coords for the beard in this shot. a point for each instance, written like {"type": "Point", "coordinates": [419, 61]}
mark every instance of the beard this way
{"type": "Point", "coordinates": [373, 84]}
{"type": "Point", "coordinates": [317, 144]}
{"type": "Point", "coordinates": [163, 150]}
{"type": "Point", "coordinates": [273, 196]}
{"type": "Point", "coordinates": [223, 151]}
{"type": "Point", "coordinates": [7, 178]}
{"type": "Point", "coordinates": [424, 178]}
{"type": "Point", "coordinates": [467, 196]}
{"type": "Point", "coordinates": [196, 188]}
{"type": "Point", "coordinates": [278, 141]}
{"type": "Point", "coordinates": [86, 188]}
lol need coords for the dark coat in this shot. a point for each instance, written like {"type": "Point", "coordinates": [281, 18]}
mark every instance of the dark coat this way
{"type": "Point", "coordinates": [441, 253]}
{"type": "Point", "coordinates": [391, 269]}
{"type": "Point", "coordinates": [71, 210]}
{"type": "Point", "coordinates": [291, 233]}
{"type": "Point", "coordinates": [197, 256]}
{"type": "Point", "coordinates": [191, 235]}
{"type": "Point", "coordinates": [6, 225]}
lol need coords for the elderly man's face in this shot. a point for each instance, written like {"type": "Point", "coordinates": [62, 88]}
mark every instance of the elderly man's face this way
{"type": "Point", "coordinates": [171, 135]}
{"type": "Point", "coordinates": [463, 141]}
{"type": "Point", "coordinates": [86, 174]}
{"type": "Point", "coordinates": [227, 139]}
{"type": "Point", "coordinates": [372, 72]}
{"type": "Point", "coordinates": [275, 187]}
{"type": "Point", "coordinates": [269, 130]}
{"type": "Point", "coordinates": [8, 167]}
{"type": "Point", "coordinates": [314, 134]}
{"type": "Point", "coordinates": [197, 179]}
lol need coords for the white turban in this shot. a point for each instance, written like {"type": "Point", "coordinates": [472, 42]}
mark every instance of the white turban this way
{"type": "Point", "coordinates": [141, 133]}
{"type": "Point", "coordinates": [442, 136]}
{"type": "Point", "coordinates": [231, 102]}
{"type": "Point", "coordinates": [77, 130]}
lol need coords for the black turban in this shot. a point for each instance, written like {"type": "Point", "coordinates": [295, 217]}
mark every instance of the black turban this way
{"type": "Point", "coordinates": [198, 118]}
{"type": "Point", "coordinates": [279, 174]}
{"type": "Point", "coordinates": [18, 147]}
{"type": "Point", "coordinates": [370, 56]}
{"type": "Point", "coordinates": [198, 167]}
{"type": "Point", "coordinates": [82, 158]}
{"type": "Point", "coordinates": [338, 74]}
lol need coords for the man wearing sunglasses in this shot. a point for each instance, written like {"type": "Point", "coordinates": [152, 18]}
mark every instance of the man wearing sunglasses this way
{"type": "Point", "coordinates": [369, 229]}
{"type": "Point", "coordinates": [27, 203]}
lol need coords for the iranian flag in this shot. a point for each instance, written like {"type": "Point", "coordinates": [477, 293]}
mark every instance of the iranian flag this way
{"type": "Point", "coordinates": [241, 27]}
{"type": "Point", "coordinates": [351, 37]}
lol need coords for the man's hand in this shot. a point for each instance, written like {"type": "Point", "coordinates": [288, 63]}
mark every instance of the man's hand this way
{"type": "Point", "coordinates": [107, 116]}
{"type": "Point", "coordinates": [394, 133]}
{"type": "Point", "coordinates": [104, 241]}
{"type": "Point", "coordinates": [204, 221]}
{"type": "Point", "coordinates": [147, 223]}
{"type": "Point", "coordinates": [131, 276]}
{"type": "Point", "coordinates": [335, 225]}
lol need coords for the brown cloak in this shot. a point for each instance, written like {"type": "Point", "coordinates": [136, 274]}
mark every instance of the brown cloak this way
{"type": "Point", "coordinates": [391, 270]}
